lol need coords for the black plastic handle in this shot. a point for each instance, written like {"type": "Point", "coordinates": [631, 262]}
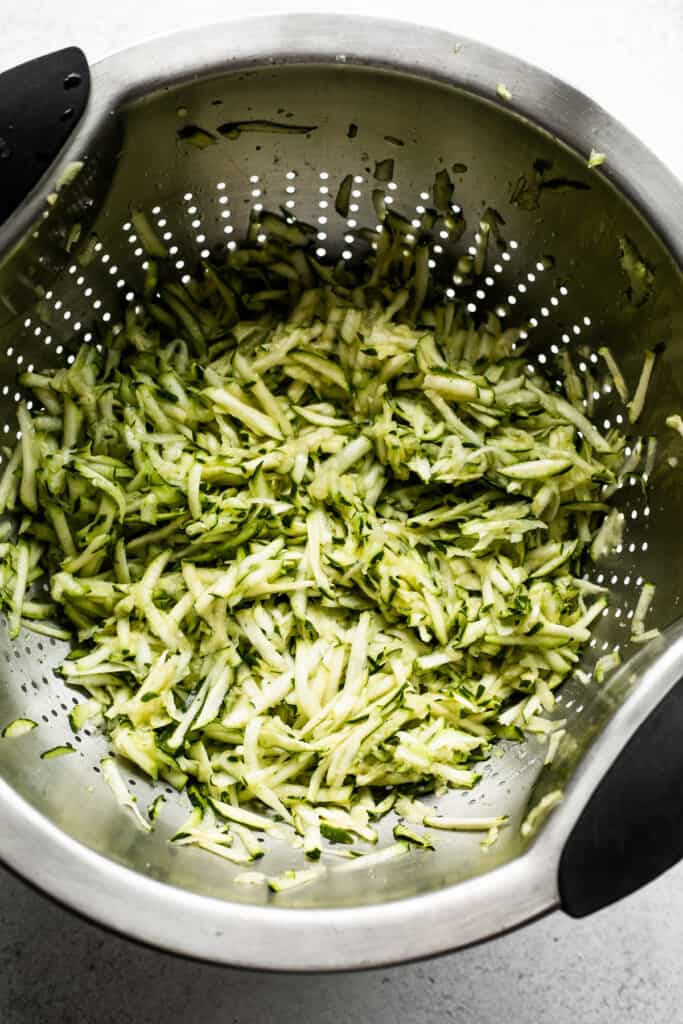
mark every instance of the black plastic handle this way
{"type": "Point", "coordinates": [631, 829]}
{"type": "Point", "coordinates": [41, 103]}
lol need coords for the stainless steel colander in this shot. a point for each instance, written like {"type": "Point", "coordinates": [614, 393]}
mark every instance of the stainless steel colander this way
{"type": "Point", "coordinates": [366, 91]}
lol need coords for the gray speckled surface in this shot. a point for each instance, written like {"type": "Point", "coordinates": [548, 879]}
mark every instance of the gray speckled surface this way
{"type": "Point", "coordinates": [623, 964]}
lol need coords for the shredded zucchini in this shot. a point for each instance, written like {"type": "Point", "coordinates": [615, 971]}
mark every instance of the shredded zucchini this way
{"type": "Point", "coordinates": [636, 406]}
{"type": "Point", "coordinates": [421, 839]}
{"type": "Point", "coordinates": [554, 741]}
{"type": "Point", "coordinates": [644, 601]}
{"type": "Point", "coordinates": [676, 423]}
{"type": "Point", "coordinates": [463, 824]}
{"type": "Point", "coordinates": [251, 878]}
{"type": "Point", "coordinates": [123, 797]}
{"type": "Point", "coordinates": [381, 857]}
{"type": "Point", "coordinates": [645, 637]}
{"type": "Point", "coordinates": [85, 712]}
{"type": "Point", "coordinates": [59, 751]}
{"type": "Point", "coordinates": [606, 664]}
{"type": "Point", "coordinates": [540, 811]}
{"type": "Point", "coordinates": [617, 375]}
{"type": "Point", "coordinates": [294, 879]}
{"type": "Point", "coordinates": [154, 808]}
{"type": "Point", "coordinates": [639, 275]}
{"type": "Point", "coordinates": [319, 540]}
{"type": "Point", "coordinates": [490, 838]}
{"type": "Point", "coordinates": [19, 727]}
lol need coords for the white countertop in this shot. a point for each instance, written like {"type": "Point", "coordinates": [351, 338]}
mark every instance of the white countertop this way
{"type": "Point", "coordinates": [620, 965]}
{"type": "Point", "coordinates": [624, 53]}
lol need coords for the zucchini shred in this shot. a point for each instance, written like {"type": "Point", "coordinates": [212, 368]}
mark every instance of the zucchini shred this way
{"type": "Point", "coordinates": [319, 539]}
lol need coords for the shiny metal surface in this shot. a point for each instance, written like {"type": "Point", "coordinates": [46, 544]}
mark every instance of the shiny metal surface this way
{"type": "Point", "coordinates": [397, 84]}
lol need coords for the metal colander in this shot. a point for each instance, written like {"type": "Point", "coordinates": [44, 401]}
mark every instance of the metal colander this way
{"type": "Point", "coordinates": [292, 106]}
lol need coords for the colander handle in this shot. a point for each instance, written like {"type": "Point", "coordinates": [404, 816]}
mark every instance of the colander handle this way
{"type": "Point", "coordinates": [41, 103]}
{"type": "Point", "coordinates": [631, 829]}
